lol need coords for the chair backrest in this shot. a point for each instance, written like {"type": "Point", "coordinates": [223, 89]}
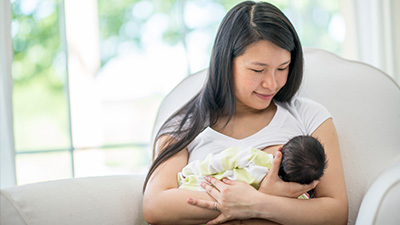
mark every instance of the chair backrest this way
{"type": "Point", "coordinates": [364, 102]}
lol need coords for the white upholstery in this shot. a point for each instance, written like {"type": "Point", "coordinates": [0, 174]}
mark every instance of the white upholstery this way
{"type": "Point", "coordinates": [364, 102]}
{"type": "Point", "coordinates": [78, 201]}
{"type": "Point", "coordinates": [381, 204]}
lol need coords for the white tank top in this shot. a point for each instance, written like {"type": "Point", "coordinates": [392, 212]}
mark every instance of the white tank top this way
{"type": "Point", "coordinates": [301, 116]}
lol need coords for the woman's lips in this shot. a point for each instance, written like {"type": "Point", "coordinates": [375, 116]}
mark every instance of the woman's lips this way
{"type": "Point", "coordinates": [263, 96]}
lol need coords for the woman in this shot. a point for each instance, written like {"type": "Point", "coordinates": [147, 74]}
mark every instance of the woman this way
{"type": "Point", "coordinates": [248, 99]}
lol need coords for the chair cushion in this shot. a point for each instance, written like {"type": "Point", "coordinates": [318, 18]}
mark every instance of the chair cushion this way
{"type": "Point", "coordinates": [79, 201]}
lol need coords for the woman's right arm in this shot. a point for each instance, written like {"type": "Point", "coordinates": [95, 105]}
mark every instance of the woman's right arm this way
{"type": "Point", "coordinates": [165, 203]}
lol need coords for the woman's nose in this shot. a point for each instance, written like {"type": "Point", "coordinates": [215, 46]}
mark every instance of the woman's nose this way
{"type": "Point", "coordinates": [269, 81]}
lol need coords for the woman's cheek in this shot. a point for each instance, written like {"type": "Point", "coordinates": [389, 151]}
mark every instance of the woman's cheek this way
{"type": "Point", "coordinates": [282, 81]}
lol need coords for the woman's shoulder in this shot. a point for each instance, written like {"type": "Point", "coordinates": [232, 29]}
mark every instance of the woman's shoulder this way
{"type": "Point", "coordinates": [302, 105]}
{"type": "Point", "coordinates": [307, 111]}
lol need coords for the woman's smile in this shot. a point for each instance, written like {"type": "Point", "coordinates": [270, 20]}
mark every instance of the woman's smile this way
{"type": "Point", "coordinates": [264, 96]}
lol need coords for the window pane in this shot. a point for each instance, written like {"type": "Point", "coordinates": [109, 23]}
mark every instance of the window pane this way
{"type": "Point", "coordinates": [43, 166]}
{"type": "Point", "coordinates": [118, 160]}
{"type": "Point", "coordinates": [138, 65]}
{"type": "Point", "coordinates": [39, 100]}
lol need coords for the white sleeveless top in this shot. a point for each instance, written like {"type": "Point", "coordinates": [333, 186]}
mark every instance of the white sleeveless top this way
{"type": "Point", "coordinates": [301, 116]}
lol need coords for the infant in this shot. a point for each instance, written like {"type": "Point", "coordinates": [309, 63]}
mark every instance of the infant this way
{"type": "Point", "coordinates": [303, 161]}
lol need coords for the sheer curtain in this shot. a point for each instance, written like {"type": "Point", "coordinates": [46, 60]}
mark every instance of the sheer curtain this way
{"type": "Point", "coordinates": [7, 152]}
{"type": "Point", "coordinates": [375, 27]}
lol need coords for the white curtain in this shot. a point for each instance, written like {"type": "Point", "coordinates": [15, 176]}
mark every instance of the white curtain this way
{"type": "Point", "coordinates": [7, 152]}
{"type": "Point", "coordinates": [377, 26]}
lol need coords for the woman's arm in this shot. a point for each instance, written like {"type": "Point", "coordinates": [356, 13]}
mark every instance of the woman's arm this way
{"type": "Point", "coordinates": [329, 207]}
{"type": "Point", "coordinates": [165, 203]}
{"type": "Point", "coordinates": [249, 222]}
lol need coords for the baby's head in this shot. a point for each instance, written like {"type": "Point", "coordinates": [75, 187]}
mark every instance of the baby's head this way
{"type": "Point", "coordinates": [303, 160]}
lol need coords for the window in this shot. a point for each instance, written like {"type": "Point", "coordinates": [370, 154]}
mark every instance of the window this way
{"type": "Point", "coordinates": [90, 75]}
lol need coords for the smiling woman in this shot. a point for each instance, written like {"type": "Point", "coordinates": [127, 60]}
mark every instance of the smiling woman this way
{"type": "Point", "coordinates": [242, 106]}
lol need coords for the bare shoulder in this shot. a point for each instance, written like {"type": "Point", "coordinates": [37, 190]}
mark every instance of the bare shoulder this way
{"type": "Point", "coordinates": [326, 131]}
{"type": "Point", "coordinates": [165, 174]}
{"type": "Point", "coordinates": [161, 143]}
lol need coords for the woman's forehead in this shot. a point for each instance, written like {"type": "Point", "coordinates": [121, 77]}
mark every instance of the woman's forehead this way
{"type": "Point", "coordinates": [264, 53]}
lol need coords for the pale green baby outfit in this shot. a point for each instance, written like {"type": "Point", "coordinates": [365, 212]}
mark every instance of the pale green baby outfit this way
{"type": "Point", "coordinates": [249, 165]}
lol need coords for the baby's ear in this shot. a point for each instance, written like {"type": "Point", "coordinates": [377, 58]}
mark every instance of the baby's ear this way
{"type": "Point", "coordinates": [280, 148]}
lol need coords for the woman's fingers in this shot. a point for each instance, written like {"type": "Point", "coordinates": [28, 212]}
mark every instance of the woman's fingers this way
{"type": "Point", "coordinates": [201, 203]}
{"type": "Point", "coordinates": [276, 163]}
{"type": "Point", "coordinates": [217, 183]}
{"type": "Point", "coordinates": [220, 219]}
{"type": "Point", "coordinates": [208, 205]}
{"type": "Point", "coordinates": [213, 189]}
{"type": "Point", "coordinates": [229, 199]}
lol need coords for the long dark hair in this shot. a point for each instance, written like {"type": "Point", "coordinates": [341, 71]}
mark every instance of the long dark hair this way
{"type": "Point", "coordinates": [244, 24]}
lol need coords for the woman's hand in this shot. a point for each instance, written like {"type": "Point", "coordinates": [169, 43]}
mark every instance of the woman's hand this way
{"type": "Point", "coordinates": [229, 199]}
{"type": "Point", "coordinates": [272, 184]}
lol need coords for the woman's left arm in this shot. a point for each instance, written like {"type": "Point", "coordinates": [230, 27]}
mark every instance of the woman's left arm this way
{"type": "Point", "coordinates": [329, 207]}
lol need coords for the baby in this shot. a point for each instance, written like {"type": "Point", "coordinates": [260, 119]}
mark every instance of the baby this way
{"type": "Point", "coordinates": [303, 161]}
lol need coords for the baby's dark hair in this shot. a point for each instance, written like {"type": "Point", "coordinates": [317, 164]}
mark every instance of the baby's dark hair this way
{"type": "Point", "coordinates": [303, 160]}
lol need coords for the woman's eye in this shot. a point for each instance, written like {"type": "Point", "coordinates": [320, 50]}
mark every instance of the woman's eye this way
{"type": "Point", "coordinates": [283, 69]}
{"type": "Point", "coordinates": [258, 71]}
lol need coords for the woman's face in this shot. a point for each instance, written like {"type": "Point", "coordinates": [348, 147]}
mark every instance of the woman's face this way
{"type": "Point", "coordinates": [258, 74]}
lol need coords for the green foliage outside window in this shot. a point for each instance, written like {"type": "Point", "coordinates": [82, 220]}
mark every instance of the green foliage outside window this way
{"type": "Point", "coordinates": [39, 101]}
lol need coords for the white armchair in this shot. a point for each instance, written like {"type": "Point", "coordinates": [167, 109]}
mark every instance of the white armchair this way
{"type": "Point", "coordinates": [364, 102]}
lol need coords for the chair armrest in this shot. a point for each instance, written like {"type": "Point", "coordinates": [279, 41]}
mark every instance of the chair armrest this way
{"type": "Point", "coordinates": [381, 203]}
{"type": "Point", "coordinates": [80, 201]}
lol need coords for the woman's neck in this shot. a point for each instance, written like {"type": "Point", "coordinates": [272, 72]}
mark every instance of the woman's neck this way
{"type": "Point", "coordinates": [245, 122]}
{"type": "Point", "coordinates": [243, 111]}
